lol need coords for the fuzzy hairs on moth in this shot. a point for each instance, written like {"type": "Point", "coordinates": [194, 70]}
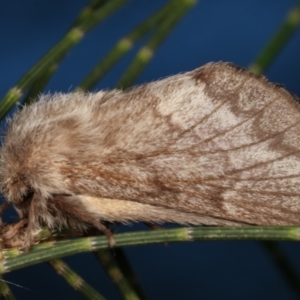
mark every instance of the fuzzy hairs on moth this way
{"type": "Point", "coordinates": [214, 146]}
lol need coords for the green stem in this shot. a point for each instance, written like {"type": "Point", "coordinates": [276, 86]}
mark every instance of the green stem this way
{"type": "Point", "coordinates": [125, 267]}
{"type": "Point", "coordinates": [115, 273]}
{"type": "Point", "coordinates": [40, 83]}
{"type": "Point", "coordinates": [5, 292]}
{"type": "Point", "coordinates": [38, 86]}
{"type": "Point", "coordinates": [69, 247]}
{"type": "Point", "coordinates": [74, 280]}
{"type": "Point", "coordinates": [57, 53]}
{"type": "Point", "coordinates": [176, 11]}
{"type": "Point", "coordinates": [88, 11]}
{"type": "Point", "coordinates": [279, 40]}
{"type": "Point", "coordinates": [284, 265]}
{"type": "Point", "coordinates": [121, 48]}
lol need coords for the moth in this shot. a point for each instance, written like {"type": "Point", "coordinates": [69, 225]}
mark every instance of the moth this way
{"type": "Point", "coordinates": [214, 146]}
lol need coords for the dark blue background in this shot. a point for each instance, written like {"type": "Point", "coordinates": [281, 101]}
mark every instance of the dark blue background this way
{"type": "Point", "coordinates": [214, 30]}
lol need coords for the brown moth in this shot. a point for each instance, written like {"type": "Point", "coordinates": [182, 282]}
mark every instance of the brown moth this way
{"type": "Point", "coordinates": [214, 146]}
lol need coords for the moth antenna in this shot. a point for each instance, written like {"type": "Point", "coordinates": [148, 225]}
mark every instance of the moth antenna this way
{"type": "Point", "coordinates": [17, 285]}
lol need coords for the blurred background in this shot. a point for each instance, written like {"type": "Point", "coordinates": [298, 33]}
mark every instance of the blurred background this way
{"type": "Point", "coordinates": [212, 30]}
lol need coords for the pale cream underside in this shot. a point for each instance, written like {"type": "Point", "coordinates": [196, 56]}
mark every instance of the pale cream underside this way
{"type": "Point", "coordinates": [125, 211]}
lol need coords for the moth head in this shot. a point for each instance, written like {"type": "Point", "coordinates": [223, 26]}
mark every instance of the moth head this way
{"type": "Point", "coordinates": [33, 180]}
{"type": "Point", "coordinates": [24, 174]}
{"type": "Point", "coordinates": [14, 184]}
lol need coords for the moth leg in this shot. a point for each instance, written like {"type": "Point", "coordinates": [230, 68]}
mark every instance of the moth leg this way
{"type": "Point", "coordinates": [106, 231]}
{"type": "Point", "coordinates": [13, 229]}
{"type": "Point", "coordinates": [153, 226]}
{"type": "Point", "coordinates": [35, 211]}
{"type": "Point", "coordinates": [72, 205]}
{"type": "Point", "coordinates": [13, 244]}
{"type": "Point", "coordinates": [12, 234]}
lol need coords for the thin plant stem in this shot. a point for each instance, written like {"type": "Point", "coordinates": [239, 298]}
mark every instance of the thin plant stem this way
{"type": "Point", "coordinates": [73, 246]}
{"type": "Point", "coordinates": [74, 280]}
{"type": "Point", "coordinates": [87, 12]}
{"type": "Point", "coordinates": [115, 273]}
{"type": "Point", "coordinates": [279, 40]}
{"type": "Point", "coordinates": [177, 10]}
{"type": "Point", "coordinates": [121, 48]}
{"type": "Point", "coordinates": [125, 266]}
{"type": "Point", "coordinates": [5, 291]}
{"type": "Point", "coordinates": [284, 265]}
{"type": "Point", "coordinates": [40, 84]}
{"type": "Point", "coordinates": [74, 35]}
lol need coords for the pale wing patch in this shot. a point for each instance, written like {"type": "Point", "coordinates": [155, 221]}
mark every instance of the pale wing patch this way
{"type": "Point", "coordinates": [283, 166]}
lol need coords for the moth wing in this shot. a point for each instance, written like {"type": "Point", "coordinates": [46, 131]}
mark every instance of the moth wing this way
{"type": "Point", "coordinates": [218, 141]}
